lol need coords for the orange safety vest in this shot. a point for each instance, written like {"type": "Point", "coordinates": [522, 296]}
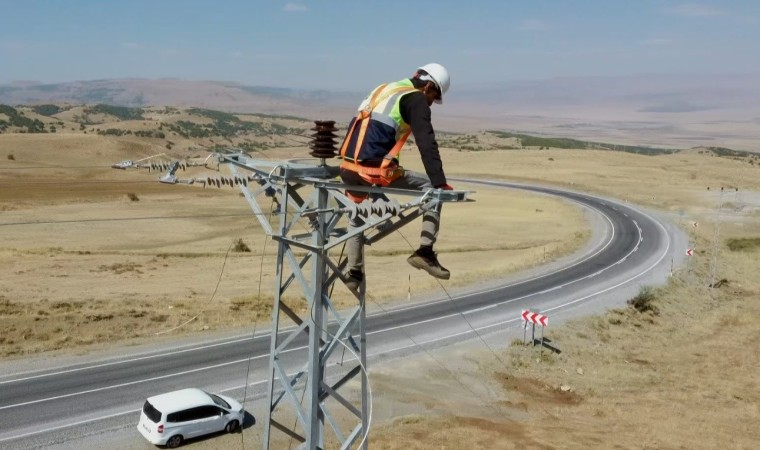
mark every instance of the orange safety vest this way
{"type": "Point", "coordinates": [389, 170]}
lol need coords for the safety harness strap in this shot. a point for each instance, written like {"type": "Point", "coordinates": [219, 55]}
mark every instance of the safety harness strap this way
{"type": "Point", "coordinates": [366, 113]}
{"type": "Point", "coordinates": [389, 169]}
{"type": "Point", "coordinates": [393, 154]}
{"type": "Point", "coordinates": [380, 176]}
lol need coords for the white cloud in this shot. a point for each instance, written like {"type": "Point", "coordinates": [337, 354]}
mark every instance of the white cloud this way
{"type": "Point", "coordinates": [236, 54]}
{"type": "Point", "coordinates": [533, 25]}
{"type": "Point", "coordinates": [695, 10]}
{"type": "Point", "coordinates": [295, 7]}
{"type": "Point", "coordinates": [130, 45]}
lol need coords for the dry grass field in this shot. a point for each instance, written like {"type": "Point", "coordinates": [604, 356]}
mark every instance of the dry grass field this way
{"type": "Point", "coordinates": [93, 257]}
{"type": "Point", "coordinates": [684, 378]}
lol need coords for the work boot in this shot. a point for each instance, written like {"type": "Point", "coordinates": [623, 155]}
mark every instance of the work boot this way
{"type": "Point", "coordinates": [355, 278]}
{"type": "Point", "coordinates": [425, 258]}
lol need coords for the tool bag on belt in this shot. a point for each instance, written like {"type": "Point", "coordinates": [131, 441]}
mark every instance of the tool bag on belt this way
{"type": "Point", "coordinates": [389, 170]}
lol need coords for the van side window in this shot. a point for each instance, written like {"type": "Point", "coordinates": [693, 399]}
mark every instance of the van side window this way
{"type": "Point", "coordinates": [192, 414]}
{"type": "Point", "coordinates": [209, 411]}
{"type": "Point", "coordinates": [200, 412]}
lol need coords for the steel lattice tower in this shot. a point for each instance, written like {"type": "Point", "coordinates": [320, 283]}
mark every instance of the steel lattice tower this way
{"type": "Point", "coordinates": [716, 241]}
{"type": "Point", "coordinates": [306, 193]}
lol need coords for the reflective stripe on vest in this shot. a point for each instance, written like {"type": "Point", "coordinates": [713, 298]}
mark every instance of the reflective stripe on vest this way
{"type": "Point", "coordinates": [387, 110]}
{"type": "Point", "coordinates": [383, 107]}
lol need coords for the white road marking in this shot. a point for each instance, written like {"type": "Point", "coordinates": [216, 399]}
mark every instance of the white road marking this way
{"type": "Point", "coordinates": [60, 372]}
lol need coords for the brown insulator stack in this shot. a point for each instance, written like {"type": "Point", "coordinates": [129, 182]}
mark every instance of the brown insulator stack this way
{"type": "Point", "coordinates": [323, 141]}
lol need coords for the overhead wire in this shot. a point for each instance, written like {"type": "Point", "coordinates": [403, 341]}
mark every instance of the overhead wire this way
{"type": "Point", "coordinates": [285, 137]}
{"type": "Point", "coordinates": [16, 182]}
{"type": "Point", "coordinates": [424, 350]}
{"type": "Point", "coordinates": [450, 299]}
{"type": "Point", "coordinates": [366, 372]}
{"type": "Point", "coordinates": [363, 368]}
{"type": "Point", "coordinates": [339, 341]}
{"type": "Point", "coordinates": [218, 281]}
{"type": "Point", "coordinates": [224, 262]}
{"type": "Point", "coordinates": [122, 219]}
{"type": "Point", "coordinates": [108, 166]}
{"type": "Point", "coordinates": [302, 225]}
{"type": "Point", "coordinates": [409, 336]}
{"type": "Point", "coordinates": [55, 167]}
{"type": "Point", "coordinates": [261, 271]}
{"type": "Point", "coordinates": [213, 294]}
{"type": "Point", "coordinates": [255, 324]}
{"type": "Point", "coordinates": [459, 310]}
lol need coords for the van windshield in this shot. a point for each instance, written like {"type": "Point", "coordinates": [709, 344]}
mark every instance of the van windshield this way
{"type": "Point", "coordinates": [151, 412]}
{"type": "Point", "coordinates": [220, 401]}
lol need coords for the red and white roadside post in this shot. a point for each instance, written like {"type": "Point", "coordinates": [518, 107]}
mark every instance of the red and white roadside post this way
{"type": "Point", "coordinates": [689, 263]}
{"type": "Point", "coordinates": [534, 319]}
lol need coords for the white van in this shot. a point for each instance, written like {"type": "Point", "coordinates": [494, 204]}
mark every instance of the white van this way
{"type": "Point", "coordinates": [169, 419]}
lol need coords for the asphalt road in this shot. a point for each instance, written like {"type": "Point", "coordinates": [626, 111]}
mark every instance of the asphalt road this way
{"type": "Point", "coordinates": [56, 406]}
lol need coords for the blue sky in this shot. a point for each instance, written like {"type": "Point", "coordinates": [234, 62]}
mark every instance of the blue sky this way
{"type": "Point", "coordinates": [338, 44]}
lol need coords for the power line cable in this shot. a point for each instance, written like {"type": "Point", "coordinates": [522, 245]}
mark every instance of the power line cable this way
{"type": "Point", "coordinates": [213, 294]}
{"type": "Point", "coordinates": [255, 324]}
{"type": "Point", "coordinates": [55, 167]}
{"type": "Point", "coordinates": [122, 219]}
{"type": "Point", "coordinates": [26, 181]}
{"type": "Point", "coordinates": [459, 310]}
{"type": "Point", "coordinates": [415, 343]}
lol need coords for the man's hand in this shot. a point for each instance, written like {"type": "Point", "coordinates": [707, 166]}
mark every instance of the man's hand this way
{"type": "Point", "coordinates": [445, 187]}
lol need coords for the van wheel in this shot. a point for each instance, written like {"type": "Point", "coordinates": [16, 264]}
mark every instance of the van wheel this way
{"type": "Point", "coordinates": [174, 441]}
{"type": "Point", "coordinates": [232, 426]}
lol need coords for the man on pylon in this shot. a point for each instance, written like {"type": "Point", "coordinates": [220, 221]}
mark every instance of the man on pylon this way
{"type": "Point", "coordinates": [370, 152]}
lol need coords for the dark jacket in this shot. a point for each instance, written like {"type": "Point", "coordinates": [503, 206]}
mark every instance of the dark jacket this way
{"type": "Point", "coordinates": [416, 112]}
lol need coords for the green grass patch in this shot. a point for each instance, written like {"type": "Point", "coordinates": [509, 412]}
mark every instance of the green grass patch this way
{"type": "Point", "coordinates": [17, 119]}
{"type": "Point", "coordinates": [743, 244]}
{"type": "Point", "coordinates": [47, 110]}
{"type": "Point", "coordinates": [121, 112]}
{"type": "Point", "coordinates": [644, 301]}
{"type": "Point", "coordinates": [555, 142]}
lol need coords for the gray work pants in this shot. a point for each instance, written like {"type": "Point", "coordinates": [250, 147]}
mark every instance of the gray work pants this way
{"type": "Point", "coordinates": [431, 219]}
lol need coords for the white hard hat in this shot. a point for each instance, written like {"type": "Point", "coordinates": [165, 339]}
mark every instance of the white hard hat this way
{"type": "Point", "coordinates": [438, 75]}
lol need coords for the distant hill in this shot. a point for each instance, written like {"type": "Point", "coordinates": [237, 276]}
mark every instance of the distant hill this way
{"type": "Point", "coordinates": [160, 129]}
{"type": "Point", "coordinates": [673, 111]}
{"type": "Point", "coordinates": [641, 93]}
{"type": "Point", "coordinates": [218, 95]}
{"type": "Point", "coordinates": [716, 110]}
{"type": "Point", "coordinates": [193, 129]}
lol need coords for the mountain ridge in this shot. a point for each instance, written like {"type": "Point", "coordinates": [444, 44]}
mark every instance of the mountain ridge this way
{"type": "Point", "coordinates": [662, 110]}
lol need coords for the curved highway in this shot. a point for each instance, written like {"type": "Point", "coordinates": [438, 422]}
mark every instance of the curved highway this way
{"type": "Point", "coordinates": [58, 404]}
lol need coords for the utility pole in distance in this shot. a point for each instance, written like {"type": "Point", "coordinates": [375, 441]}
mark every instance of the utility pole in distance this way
{"type": "Point", "coordinates": [715, 241]}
